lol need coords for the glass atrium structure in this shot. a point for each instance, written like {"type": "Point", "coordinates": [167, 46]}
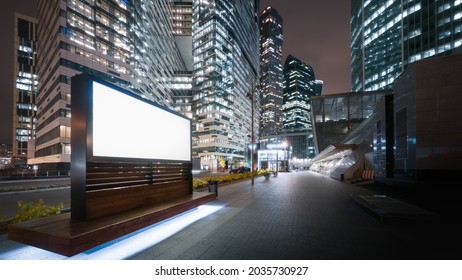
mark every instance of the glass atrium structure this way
{"type": "Point", "coordinates": [335, 115]}
{"type": "Point", "coordinates": [343, 129]}
{"type": "Point", "coordinates": [387, 36]}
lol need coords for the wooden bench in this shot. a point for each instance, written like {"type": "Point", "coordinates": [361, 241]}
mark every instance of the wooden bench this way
{"type": "Point", "coordinates": [65, 236]}
{"type": "Point", "coordinates": [120, 197]}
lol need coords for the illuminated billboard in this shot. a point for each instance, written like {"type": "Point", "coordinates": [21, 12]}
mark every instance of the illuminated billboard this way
{"type": "Point", "coordinates": [126, 150]}
{"type": "Point", "coordinates": [129, 127]}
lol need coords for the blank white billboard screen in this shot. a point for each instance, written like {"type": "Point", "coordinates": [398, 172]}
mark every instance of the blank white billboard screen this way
{"type": "Point", "coordinates": [126, 127]}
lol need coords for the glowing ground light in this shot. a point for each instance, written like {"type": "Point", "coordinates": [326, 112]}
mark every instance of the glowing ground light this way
{"type": "Point", "coordinates": [121, 248]}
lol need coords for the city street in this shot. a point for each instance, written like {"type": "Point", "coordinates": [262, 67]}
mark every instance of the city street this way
{"type": "Point", "coordinates": [27, 184]}
{"type": "Point", "coordinates": [53, 191]}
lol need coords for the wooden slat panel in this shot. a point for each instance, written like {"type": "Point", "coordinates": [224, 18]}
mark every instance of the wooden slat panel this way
{"type": "Point", "coordinates": [108, 201]}
{"type": "Point", "coordinates": [117, 174]}
{"type": "Point", "coordinates": [114, 187]}
{"type": "Point", "coordinates": [115, 179]}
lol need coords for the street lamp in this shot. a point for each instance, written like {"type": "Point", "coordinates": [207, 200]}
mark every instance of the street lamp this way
{"type": "Point", "coordinates": [278, 147]}
{"type": "Point", "coordinates": [284, 146]}
{"type": "Point", "coordinates": [250, 95]}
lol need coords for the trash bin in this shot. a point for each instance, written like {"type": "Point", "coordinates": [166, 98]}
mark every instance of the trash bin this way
{"type": "Point", "coordinates": [213, 186]}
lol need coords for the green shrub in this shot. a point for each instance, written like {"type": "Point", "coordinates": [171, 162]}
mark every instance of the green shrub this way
{"type": "Point", "coordinates": [264, 172]}
{"type": "Point", "coordinates": [203, 182]}
{"type": "Point", "coordinates": [30, 211]}
{"type": "Point", "coordinates": [199, 184]}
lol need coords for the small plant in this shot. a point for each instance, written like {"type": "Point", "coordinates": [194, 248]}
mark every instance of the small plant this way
{"type": "Point", "coordinates": [265, 172]}
{"type": "Point", "coordinates": [199, 184]}
{"type": "Point", "coordinates": [30, 211]}
{"type": "Point", "coordinates": [203, 182]}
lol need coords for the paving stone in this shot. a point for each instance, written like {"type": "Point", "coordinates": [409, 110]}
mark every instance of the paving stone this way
{"type": "Point", "coordinates": [300, 215]}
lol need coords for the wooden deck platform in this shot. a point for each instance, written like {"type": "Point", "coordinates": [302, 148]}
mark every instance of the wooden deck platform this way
{"type": "Point", "coordinates": [62, 235]}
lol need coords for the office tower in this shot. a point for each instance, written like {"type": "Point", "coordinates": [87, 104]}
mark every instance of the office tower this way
{"type": "Point", "coordinates": [128, 43]}
{"type": "Point", "coordinates": [26, 82]}
{"type": "Point", "coordinates": [271, 76]}
{"type": "Point", "coordinates": [182, 17]}
{"type": "Point", "coordinates": [386, 36]}
{"type": "Point", "coordinates": [156, 56]}
{"type": "Point", "coordinates": [182, 93]}
{"type": "Point", "coordinates": [225, 73]}
{"type": "Point", "coordinates": [298, 89]}
{"type": "Point", "coordinates": [182, 80]}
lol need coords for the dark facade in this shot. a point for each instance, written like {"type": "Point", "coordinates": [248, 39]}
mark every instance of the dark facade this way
{"type": "Point", "coordinates": [384, 139]}
{"type": "Point", "coordinates": [427, 132]}
{"type": "Point", "coordinates": [271, 72]}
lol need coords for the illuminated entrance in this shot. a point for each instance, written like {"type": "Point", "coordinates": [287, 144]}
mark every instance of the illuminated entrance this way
{"type": "Point", "coordinates": [274, 158]}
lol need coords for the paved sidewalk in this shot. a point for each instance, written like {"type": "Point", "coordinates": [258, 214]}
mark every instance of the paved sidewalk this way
{"type": "Point", "coordinates": [299, 215]}
{"type": "Point", "coordinates": [302, 216]}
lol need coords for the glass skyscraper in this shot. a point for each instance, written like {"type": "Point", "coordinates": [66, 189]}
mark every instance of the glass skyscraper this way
{"type": "Point", "coordinates": [182, 17]}
{"type": "Point", "coordinates": [386, 36]}
{"type": "Point", "coordinates": [128, 43]}
{"type": "Point", "coordinates": [299, 86]}
{"type": "Point", "coordinates": [225, 72]}
{"type": "Point", "coordinates": [271, 75]}
{"type": "Point", "coordinates": [26, 83]}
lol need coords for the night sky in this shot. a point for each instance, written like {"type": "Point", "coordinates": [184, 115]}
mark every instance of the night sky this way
{"type": "Point", "coordinates": [315, 31]}
{"type": "Point", "coordinates": [318, 33]}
